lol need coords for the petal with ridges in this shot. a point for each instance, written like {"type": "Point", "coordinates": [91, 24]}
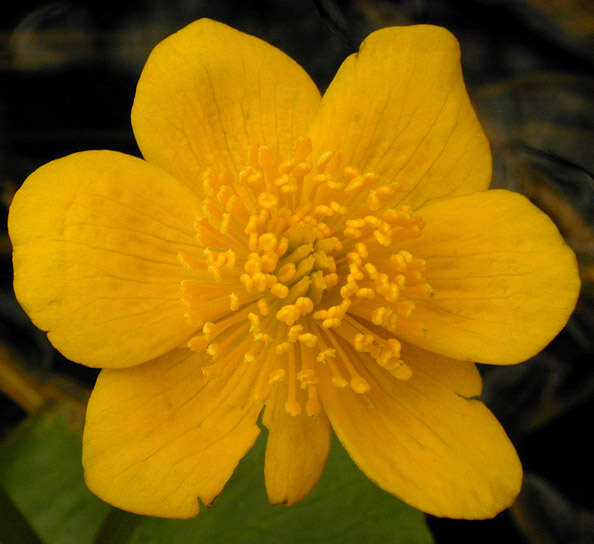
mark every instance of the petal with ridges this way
{"type": "Point", "coordinates": [208, 92]}
{"type": "Point", "coordinates": [96, 236]}
{"type": "Point", "coordinates": [296, 450]}
{"type": "Point", "coordinates": [504, 280]}
{"type": "Point", "coordinates": [399, 108]}
{"type": "Point", "coordinates": [423, 440]}
{"type": "Point", "coordinates": [159, 436]}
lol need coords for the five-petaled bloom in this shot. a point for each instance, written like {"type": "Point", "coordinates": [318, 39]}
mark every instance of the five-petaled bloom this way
{"type": "Point", "coordinates": [330, 261]}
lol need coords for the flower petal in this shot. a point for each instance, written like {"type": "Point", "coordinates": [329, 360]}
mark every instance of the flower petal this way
{"type": "Point", "coordinates": [399, 108]}
{"type": "Point", "coordinates": [96, 236]}
{"type": "Point", "coordinates": [159, 436]}
{"type": "Point", "coordinates": [504, 280]}
{"type": "Point", "coordinates": [423, 439]}
{"type": "Point", "coordinates": [296, 450]}
{"type": "Point", "coordinates": [208, 92]}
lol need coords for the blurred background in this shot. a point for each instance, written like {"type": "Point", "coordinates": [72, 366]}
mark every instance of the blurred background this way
{"type": "Point", "coordinates": [68, 72]}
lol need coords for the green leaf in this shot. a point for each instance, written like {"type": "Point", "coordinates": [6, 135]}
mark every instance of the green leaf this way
{"type": "Point", "coordinates": [345, 507]}
{"type": "Point", "coordinates": [13, 525]}
{"type": "Point", "coordinates": [41, 472]}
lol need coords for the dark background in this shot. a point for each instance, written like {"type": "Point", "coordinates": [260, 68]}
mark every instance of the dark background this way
{"type": "Point", "coordinates": [68, 71]}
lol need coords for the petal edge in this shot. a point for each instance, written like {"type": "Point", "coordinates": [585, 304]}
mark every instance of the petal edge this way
{"type": "Point", "coordinates": [96, 236]}
{"type": "Point", "coordinates": [399, 108]}
{"type": "Point", "coordinates": [208, 92]}
{"type": "Point", "coordinates": [160, 435]}
{"type": "Point", "coordinates": [505, 282]}
{"type": "Point", "coordinates": [423, 442]}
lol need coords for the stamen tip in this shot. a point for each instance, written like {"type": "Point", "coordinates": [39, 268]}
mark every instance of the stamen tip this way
{"type": "Point", "coordinates": [359, 385]}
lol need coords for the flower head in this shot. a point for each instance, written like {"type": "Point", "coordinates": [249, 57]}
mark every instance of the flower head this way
{"type": "Point", "coordinates": [333, 262]}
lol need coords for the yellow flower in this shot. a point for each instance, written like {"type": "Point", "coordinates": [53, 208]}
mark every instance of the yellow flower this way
{"type": "Point", "coordinates": [333, 262]}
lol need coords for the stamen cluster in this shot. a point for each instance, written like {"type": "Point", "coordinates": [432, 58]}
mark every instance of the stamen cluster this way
{"type": "Point", "coordinates": [299, 270]}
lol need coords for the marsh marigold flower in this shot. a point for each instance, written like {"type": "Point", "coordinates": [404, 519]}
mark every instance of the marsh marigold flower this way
{"type": "Point", "coordinates": [327, 262]}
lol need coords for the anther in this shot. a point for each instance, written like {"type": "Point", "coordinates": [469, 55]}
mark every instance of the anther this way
{"type": "Point", "coordinates": [323, 160]}
{"type": "Point", "coordinates": [280, 290]}
{"type": "Point", "coordinates": [321, 259]}
{"type": "Point", "coordinates": [304, 305]}
{"type": "Point", "coordinates": [294, 332]}
{"type": "Point", "coordinates": [288, 314]}
{"type": "Point", "coordinates": [263, 307]}
{"type": "Point", "coordinates": [267, 201]}
{"type": "Point", "coordinates": [308, 339]}
{"type": "Point", "coordinates": [286, 272]}
{"type": "Point", "coordinates": [267, 241]}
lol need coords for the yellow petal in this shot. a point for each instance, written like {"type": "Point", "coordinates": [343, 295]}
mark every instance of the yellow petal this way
{"type": "Point", "coordinates": [159, 436]}
{"type": "Point", "coordinates": [296, 450]}
{"type": "Point", "coordinates": [399, 108]}
{"type": "Point", "coordinates": [96, 236]}
{"type": "Point", "coordinates": [423, 439]}
{"type": "Point", "coordinates": [504, 280]}
{"type": "Point", "coordinates": [208, 92]}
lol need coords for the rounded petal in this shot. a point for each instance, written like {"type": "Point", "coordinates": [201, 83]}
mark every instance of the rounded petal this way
{"type": "Point", "coordinates": [425, 439]}
{"type": "Point", "coordinates": [504, 280]}
{"type": "Point", "coordinates": [399, 108]}
{"type": "Point", "coordinates": [208, 92]}
{"type": "Point", "coordinates": [296, 450]}
{"type": "Point", "coordinates": [96, 236]}
{"type": "Point", "coordinates": [160, 436]}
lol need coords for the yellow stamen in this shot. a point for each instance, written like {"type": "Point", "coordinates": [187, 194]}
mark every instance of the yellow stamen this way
{"type": "Point", "coordinates": [299, 266]}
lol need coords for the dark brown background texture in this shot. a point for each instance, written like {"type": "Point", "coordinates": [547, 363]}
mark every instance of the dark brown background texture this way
{"type": "Point", "coordinates": [68, 71]}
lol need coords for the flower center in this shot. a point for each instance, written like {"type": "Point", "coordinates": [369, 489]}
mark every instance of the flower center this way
{"type": "Point", "coordinates": [299, 270]}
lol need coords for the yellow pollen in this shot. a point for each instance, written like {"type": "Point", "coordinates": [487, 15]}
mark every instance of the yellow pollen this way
{"type": "Point", "coordinates": [294, 333]}
{"type": "Point", "coordinates": [267, 200]}
{"type": "Point", "coordinates": [263, 307]}
{"type": "Point", "coordinates": [249, 358]}
{"type": "Point", "coordinates": [262, 337]}
{"type": "Point", "coordinates": [300, 265]}
{"type": "Point", "coordinates": [254, 322]}
{"type": "Point", "coordinates": [268, 241]}
{"type": "Point", "coordinates": [286, 272]}
{"type": "Point", "coordinates": [331, 279]}
{"type": "Point", "coordinates": [285, 347]}
{"type": "Point", "coordinates": [308, 339]}
{"type": "Point", "coordinates": [279, 290]}
{"type": "Point", "coordinates": [304, 305]}
{"type": "Point", "coordinates": [288, 314]}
